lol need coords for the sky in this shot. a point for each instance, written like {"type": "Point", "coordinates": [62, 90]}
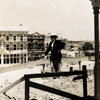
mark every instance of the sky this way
{"type": "Point", "coordinates": [71, 19]}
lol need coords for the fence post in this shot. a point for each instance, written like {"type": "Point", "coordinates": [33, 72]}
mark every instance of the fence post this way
{"type": "Point", "coordinates": [71, 69]}
{"type": "Point", "coordinates": [79, 65]}
{"type": "Point", "coordinates": [26, 88]}
{"type": "Point", "coordinates": [84, 81]}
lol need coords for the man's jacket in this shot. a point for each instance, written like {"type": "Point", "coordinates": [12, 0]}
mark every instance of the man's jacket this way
{"type": "Point", "coordinates": [56, 49]}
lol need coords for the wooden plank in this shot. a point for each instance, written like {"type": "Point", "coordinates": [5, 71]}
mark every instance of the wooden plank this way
{"type": "Point", "coordinates": [27, 88]}
{"type": "Point", "coordinates": [54, 74]}
{"type": "Point", "coordinates": [84, 81]}
{"type": "Point", "coordinates": [12, 85]}
{"type": "Point", "coordinates": [54, 91]}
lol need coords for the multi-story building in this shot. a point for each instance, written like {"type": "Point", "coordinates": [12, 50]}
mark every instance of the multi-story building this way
{"type": "Point", "coordinates": [36, 45]}
{"type": "Point", "coordinates": [74, 45]}
{"type": "Point", "coordinates": [13, 45]}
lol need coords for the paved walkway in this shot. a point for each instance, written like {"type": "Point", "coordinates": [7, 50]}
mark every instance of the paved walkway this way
{"type": "Point", "coordinates": [30, 64]}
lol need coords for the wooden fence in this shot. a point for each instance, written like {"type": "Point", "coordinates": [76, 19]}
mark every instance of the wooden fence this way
{"type": "Point", "coordinates": [29, 84]}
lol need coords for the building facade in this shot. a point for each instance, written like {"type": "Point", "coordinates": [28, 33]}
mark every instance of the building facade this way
{"type": "Point", "coordinates": [13, 46]}
{"type": "Point", "coordinates": [36, 46]}
{"type": "Point", "coordinates": [47, 40]}
{"type": "Point", "coordinates": [74, 45]}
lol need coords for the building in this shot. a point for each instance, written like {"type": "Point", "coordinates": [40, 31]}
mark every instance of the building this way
{"type": "Point", "coordinates": [36, 46]}
{"type": "Point", "coordinates": [74, 45]}
{"type": "Point", "coordinates": [13, 45]}
{"type": "Point", "coordinates": [47, 40]}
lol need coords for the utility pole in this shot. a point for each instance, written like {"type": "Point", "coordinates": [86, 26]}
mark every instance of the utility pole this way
{"type": "Point", "coordinates": [97, 66]}
{"type": "Point", "coordinates": [96, 4]}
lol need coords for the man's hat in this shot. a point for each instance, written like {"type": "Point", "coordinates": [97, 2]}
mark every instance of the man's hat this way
{"type": "Point", "coordinates": [53, 35]}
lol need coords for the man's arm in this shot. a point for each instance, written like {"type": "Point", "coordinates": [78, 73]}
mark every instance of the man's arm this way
{"type": "Point", "coordinates": [48, 49]}
{"type": "Point", "coordinates": [61, 45]}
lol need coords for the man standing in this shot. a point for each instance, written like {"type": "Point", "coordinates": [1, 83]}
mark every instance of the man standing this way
{"type": "Point", "coordinates": [55, 46]}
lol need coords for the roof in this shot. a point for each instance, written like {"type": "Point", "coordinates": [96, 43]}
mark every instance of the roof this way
{"type": "Point", "coordinates": [13, 28]}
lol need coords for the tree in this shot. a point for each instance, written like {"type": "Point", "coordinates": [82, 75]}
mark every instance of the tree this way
{"type": "Point", "coordinates": [87, 46]}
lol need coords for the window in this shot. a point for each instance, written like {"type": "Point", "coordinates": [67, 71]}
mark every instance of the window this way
{"type": "Point", "coordinates": [22, 58]}
{"type": "Point", "coordinates": [25, 58]}
{"type": "Point", "coordinates": [7, 47]}
{"type": "Point", "coordinates": [29, 46]}
{"type": "Point", "coordinates": [21, 46]}
{"type": "Point", "coordinates": [14, 38]}
{"type": "Point", "coordinates": [11, 58]}
{"type": "Point", "coordinates": [0, 59]}
{"type": "Point", "coordinates": [7, 38]}
{"type": "Point", "coordinates": [15, 58]}
{"type": "Point", "coordinates": [21, 38]}
{"type": "Point", "coordinates": [6, 59]}
{"type": "Point", "coordinates": [14, 46]}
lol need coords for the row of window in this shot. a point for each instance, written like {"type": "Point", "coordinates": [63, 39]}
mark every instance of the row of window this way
{"type": "Point", "coordinates": [14, 38]}
{"type": "Point", "coordinates": [14, 55]}
{"type": "Point", "coordinates": [36, 46]}
{"type": "Point", "coordinates": [14, 58]}
{"type": "Point", "coordinates": [15, 47]}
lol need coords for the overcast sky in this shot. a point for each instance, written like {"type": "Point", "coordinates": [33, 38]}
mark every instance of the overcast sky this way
{"type": "Point", "coordinates": [72, 19]}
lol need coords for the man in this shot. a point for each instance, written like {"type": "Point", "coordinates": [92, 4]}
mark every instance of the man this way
{"type": "Point", "coordinates": [55, 46]}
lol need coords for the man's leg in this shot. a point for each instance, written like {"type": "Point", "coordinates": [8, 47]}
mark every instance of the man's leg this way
{"type": "Point", "coordinates": [52, 66]}
{"type": "Point", "coordinates": [57, 65]}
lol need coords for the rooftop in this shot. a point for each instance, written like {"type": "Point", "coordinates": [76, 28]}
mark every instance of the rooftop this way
{"type": "Point", "coordinates": [14, 28]}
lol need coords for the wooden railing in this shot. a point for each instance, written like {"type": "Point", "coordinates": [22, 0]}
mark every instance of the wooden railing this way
{"type": "Point", "coordinates": [29, 84]}
{"type": "Point", "coordinates": [12, 85]}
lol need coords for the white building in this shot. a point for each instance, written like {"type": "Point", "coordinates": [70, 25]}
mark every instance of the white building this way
{"type": "Point", "coordinates": [13, 45]}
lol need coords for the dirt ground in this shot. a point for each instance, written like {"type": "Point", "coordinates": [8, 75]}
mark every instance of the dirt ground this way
{"type": "Point", "coordinates": [42, 61]}
{"type": "Point", "coordinates": [62, 83]}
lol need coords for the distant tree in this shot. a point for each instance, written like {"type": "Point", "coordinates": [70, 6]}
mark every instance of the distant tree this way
{"type": "Point", "coordinates": [87, 46]}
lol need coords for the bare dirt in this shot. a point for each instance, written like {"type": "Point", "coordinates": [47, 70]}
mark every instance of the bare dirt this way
{"type": "Point", "coordinates": [62, 83]}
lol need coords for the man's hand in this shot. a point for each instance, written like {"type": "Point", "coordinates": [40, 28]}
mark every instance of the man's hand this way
{"type": "Point", "coordinates": [44, 56]}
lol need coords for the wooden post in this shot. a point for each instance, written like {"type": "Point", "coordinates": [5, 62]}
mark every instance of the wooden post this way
{"type": "Point", "coordinates": [84, 81]}
{"type": "Point", "coordinates": [71, 69]}
{"type": "Point", "coordinates": [26, 88]}
{"type": "Point", "coordinates": [79, 65]}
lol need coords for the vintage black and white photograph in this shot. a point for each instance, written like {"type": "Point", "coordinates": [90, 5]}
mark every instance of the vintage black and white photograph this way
{"type": "Point", "coordinates": [49, 50]}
